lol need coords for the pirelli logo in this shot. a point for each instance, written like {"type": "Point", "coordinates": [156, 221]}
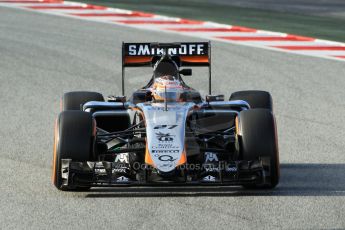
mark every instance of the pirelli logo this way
{"type": "Point", "coordinates": [185, 49]}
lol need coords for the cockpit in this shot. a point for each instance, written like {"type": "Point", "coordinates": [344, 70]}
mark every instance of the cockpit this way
{"type": "Point", "coordinates": [167, 85]}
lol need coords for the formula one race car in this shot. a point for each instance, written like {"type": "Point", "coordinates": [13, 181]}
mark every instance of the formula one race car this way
{"type": "Point", "coordinates": [165, 133]}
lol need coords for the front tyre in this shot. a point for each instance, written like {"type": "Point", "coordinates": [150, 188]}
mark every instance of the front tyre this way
{"type": "Point", "coordinates": [76, 99]}
{"type": "Point", "coordinates": [73, 139]}
{"type": "Point", "coordinates": [257, 137]}
{"type": "Point", "coordinates": [255, 98]}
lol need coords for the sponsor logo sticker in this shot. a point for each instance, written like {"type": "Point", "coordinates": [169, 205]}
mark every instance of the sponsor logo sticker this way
{"type": "Point", "coordinates": [166, 158]}
{"type": "Point", "coordinates": [185, 49]}
{"type": "Point", "coordinates": [209, 178]}
{"type": "Point", "coordinates": [165, 136]}
{"type": "Point", "coordinates": [119, 170]}
{"type": "Point", "coordinates": [231, 169]}
{"type": "Point", "coordinates": [122, 179]}
{"type": "Point", "coordinates": [165, 146]}
{"type": "Point", "coordinates": [165, 126]}
{"type": "Point", "coordinates": [101, 171]}
{"type": "Point", "coordinates": [210, 157]}
{"type": "Point", "coordinates": [122, 157]}
{"type": "Point", "coordinates": [165, 151]}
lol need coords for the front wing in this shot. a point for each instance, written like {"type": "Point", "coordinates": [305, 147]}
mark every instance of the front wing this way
{"type": "Point", "coordinates": [105, 174]}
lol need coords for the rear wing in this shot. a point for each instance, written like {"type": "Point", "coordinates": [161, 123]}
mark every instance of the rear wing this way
{"type": "Point", "coordinates": [188, 54]}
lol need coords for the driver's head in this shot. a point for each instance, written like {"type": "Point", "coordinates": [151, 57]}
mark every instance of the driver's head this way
{"type": "Point", "coordinates": [167, 85]}
{"type": "Point", "coordinates": [167, 89]}
{"type": "Point", "coordinates": [167, 69]}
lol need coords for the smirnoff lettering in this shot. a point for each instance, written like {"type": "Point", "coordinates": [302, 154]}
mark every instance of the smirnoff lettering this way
{"type": "Point", "coordinates": [185, 49]}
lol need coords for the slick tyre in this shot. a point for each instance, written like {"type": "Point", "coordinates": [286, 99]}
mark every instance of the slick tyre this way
{"type": "Point", "coordinates": [73, 139]}
{"type": "Point", "coordinates": [75, 100]}
{"type": "Point", "coordinates": [255, 98]}
{"type": "Point", "coordinates": [257, 137]}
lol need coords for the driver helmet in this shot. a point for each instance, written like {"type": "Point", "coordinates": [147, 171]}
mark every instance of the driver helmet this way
{"type": "Point", "coordinates": [167, 85]}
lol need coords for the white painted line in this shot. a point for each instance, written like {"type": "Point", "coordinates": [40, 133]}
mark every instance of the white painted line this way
{"type": "Point", "coordinates": [286, 43]}
{"type": "Point", "coordinates": [232, 34]}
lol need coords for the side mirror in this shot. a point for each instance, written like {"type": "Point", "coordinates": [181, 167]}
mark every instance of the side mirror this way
{"type": "Point", "coordinates": [210, 98]}
{"type": "Point", "coordinates": [186, 72]}
{"type": "Point", "coordinates": [122, 99]}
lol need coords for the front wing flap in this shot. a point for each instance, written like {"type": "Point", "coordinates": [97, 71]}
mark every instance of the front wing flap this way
{"type": "Point", "coordinates": [105, 173]}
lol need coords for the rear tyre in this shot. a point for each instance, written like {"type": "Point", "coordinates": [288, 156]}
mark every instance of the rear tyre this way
{"type": "Point", "coordinates": [257, 137]}
{"type": "Point", "coordinates": [75, 100]}
{"type": "Point", "coordinates": [74, 139]}
{"type": "Point", "coordinates": [255, 98]}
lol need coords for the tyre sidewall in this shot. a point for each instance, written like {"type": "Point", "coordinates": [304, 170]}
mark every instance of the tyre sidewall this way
{"type": "Point", "coordinates": [67, 146]}
{"type": "Point", "coordinates": [258, 139]}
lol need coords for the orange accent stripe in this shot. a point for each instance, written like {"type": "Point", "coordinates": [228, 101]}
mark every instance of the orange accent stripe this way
{"type": "Point", "coordinates": [148, 159]}
{"type": "Point", "coordinates": [147, 59]}
{"type": "Point", "coordinates": [183, 159]}
{"type": "Point", "coordinates": [137, 60]}
{"type": "Point", "coordinates": [237, 126]}
{"type": "Point", "coordinates": [54, 151]}
{"type": "Point", "coordinates": [195, 59]}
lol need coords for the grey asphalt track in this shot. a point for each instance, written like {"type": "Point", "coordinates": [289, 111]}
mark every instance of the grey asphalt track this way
{"type": "Point", "coordinates": [43, 56]}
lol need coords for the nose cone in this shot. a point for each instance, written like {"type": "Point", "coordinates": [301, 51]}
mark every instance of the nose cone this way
{"type": "Point", "coordinates": [165, 135]}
